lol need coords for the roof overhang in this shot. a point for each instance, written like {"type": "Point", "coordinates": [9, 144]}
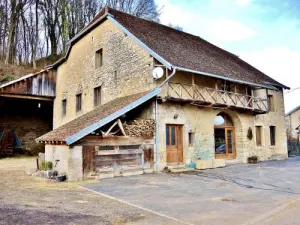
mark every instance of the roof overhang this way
{"type": "Point", "coordinates": [27, 96]}
{"type": "Point", "coordinates": [226, 78]}
{"type": "Point", "coordinates": [23, 78]}
{"type": "Point", "coordinates": [293, 110]}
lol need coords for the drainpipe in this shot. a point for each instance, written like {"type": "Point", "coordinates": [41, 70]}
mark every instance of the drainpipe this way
{"type": "Point", "coordinates": [156, 120]}
{"type": "Point", "coordinates": [169, 77]}
{"type": "Point", "coordinates": [156, 135]}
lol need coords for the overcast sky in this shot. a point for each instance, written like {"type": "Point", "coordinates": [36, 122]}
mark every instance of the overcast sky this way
{"type": "Point", "coordinates": [265, 33]}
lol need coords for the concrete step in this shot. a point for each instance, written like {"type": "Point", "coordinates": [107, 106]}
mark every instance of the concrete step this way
{"type": "Point", "coordinates": [171, 166]}
{"type": "Point", "coordinates": [148, 170]}
{"type": "Point", "coordinates": [132, 172]}
{"type": "Point", "coordinates": [180, 169]}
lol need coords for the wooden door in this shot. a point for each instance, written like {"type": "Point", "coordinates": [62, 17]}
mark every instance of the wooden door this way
{"type": "Point", "coordinates": [174, 144]}
{"type": "Point", "coordinates": [230, 143]}
{"type": "Point", "coordinates": [226, 147]}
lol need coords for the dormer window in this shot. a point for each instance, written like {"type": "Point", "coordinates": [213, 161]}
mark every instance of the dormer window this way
{"type": "Point", "coordinates": [99, 58]}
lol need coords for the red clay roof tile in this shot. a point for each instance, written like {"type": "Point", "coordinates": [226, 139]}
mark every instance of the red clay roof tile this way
{"type": "Point", "coordinates": [61, 133]}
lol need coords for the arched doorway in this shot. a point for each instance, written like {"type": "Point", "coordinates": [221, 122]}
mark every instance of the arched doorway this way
{"type": "Point", "coordinates": [224, 136]}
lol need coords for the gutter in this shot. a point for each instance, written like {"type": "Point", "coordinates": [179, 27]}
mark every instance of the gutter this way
{"type": "Point", "coordinates": [156, 136]}
{"type": "Point", "coordinates": [168, 78]}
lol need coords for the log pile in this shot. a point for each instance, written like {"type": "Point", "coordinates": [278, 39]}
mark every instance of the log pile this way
{"type": "Point", "coordinates": [140, 128]}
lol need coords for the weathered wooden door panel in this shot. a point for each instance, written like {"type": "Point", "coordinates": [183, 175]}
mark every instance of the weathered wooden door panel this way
{"type": "Point", "coordinates": [88, 158]}
{"type": "Point", "coordinates": [174, 144]}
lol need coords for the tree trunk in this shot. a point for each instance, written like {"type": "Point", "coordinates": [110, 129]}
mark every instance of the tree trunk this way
{"type": "Point", "coordinates": [11, 32]}
{"type": "Point", "coordinates": [34, 49]}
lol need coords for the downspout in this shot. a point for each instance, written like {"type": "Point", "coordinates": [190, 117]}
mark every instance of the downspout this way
{"type": "Point", "coordinates": [169, 77]}
{"type": "Point", "coordinates": [156, 121]}
{"type": "Point", "coordinates": [156, 135]}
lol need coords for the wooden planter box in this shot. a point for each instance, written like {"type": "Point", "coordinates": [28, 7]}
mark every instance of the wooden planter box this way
{"type": "Point", "coordinates": [202, 164]}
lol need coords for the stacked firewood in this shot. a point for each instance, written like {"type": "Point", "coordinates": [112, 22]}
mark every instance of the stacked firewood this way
{"type": "Point", "coordinates": [140, 128]}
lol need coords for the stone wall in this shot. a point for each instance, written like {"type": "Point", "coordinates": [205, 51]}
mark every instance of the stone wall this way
{"type": "Point", "coordinates": [126, 70]}
{"type": "Point", "coordinates": [58, 152]}
{"type": "Point", "coordinates": [28, 119]}
{"type": "Point", "coordinates": [200, 121]}
{"type": "Point", "coordinates": [293, 121]}
{"type": "Point", "coordinates": [70, 160]}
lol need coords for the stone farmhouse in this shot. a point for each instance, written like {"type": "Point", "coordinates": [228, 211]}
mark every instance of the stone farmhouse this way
{"type": "Point", "coordinates": [133, 96]}
{"type": "Point", "coordinates": [293, 124]}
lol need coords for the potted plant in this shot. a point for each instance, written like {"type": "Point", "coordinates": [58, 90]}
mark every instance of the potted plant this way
{"type": "Point", "coordinates": [252, 159]}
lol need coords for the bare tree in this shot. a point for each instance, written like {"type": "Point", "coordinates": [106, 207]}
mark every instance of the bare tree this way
{"type": "Point", "coordinates": [146, 9]}
{"type": "Point", "coordinates": [31, 29]}
{"type": "Point", "coordinates": [16, 9]}
{"type": "Point", "coordinates": [50, 9]}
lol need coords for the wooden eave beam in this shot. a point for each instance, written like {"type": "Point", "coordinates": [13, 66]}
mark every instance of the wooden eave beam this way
{"type": "Point", "coordinates": [32, 97]}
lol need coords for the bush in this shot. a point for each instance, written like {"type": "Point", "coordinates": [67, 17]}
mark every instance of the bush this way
{"type": "Point", "coordinates": [47, 165]}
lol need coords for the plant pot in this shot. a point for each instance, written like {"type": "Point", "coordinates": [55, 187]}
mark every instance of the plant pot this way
{"type": "Point", "coordinates": [60, 178]}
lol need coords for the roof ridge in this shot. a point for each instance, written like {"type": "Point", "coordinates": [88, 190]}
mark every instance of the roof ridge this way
{"type": "Point", "coordinates": [206, 57]}
{"type": "Point", "coordinates": [174, 29]}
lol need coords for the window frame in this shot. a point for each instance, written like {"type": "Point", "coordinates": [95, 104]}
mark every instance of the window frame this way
{"type": "Point", "coordinates": [97, 96]}
{"type": "Point", "coordinates": [273, 135]}
{"type": "Point", "coordinates": [99, 58]}
{"type": "Point", "coordinates": [258, 133]}
{"type": "Point", "coordinates": [271, 107]}
{"type": "Point", "coordinates": [78, 102]}
{"type": "Point", "coordinates": [191, 137]}
{"type": "Point", "coordinates": [64, 107]}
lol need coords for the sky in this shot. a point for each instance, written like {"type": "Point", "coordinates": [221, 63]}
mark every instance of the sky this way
{"type": "Point", "coordinates": [264, 33]}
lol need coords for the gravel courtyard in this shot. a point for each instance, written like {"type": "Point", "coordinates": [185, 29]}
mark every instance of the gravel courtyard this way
{"type": "Point", "coordinates": [266, 193]}
{"type": "Point", "coordinates": [31, 200]}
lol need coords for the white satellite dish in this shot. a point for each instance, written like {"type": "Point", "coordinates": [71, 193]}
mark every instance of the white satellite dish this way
{"type": "Point", "coordinates": [157, 73]}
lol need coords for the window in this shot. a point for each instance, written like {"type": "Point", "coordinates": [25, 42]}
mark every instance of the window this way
{"type": "Point", "coordinates": [64, 107]}
{"type": "Point", "coordinates": [226, 86]}
{"type": "Point", "coordinates": [272, 135]}
{"type": "Point", "coordinates": [258, 135]}
{"type": "Point", "coordinates": [78, 102]}
{"type": "Point", "coordinates": [99, 58]}
{"type": "Point", "coordinates": [270, 103]}
{"type": "Point", "coordinates": [191, 139]}
{"type": "Point", "coordinates": [97, 96]}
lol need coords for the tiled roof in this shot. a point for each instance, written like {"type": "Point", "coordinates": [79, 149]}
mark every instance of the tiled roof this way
{"type": "Point", "coordinates": [103, 113]}
{"type": "Point", "coordinates": [181, 49]}
{"type": "Point", "coordinates": [190, 52]}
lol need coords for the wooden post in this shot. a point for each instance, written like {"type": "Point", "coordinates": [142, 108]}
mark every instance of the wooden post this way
{"type": "Point", "coordinates": [37, 164]}
{"type": "Point", "coordinates": [193, 84]}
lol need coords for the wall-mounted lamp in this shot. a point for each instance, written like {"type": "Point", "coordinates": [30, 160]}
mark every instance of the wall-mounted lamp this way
{"type": "Point", "coordinates": [175, 116]}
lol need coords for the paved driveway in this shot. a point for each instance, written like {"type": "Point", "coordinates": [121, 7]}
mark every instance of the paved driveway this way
{"type": "Point", "coordinates": [236, 194]}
